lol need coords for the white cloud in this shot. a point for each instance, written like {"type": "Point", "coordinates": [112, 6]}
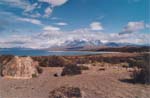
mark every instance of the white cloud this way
{"type": "Point", "coordinates": [147, 25]}
{"type": "Point", "coordinates": [25, 5]}
{"type": "Point", "coordinates": [55, 37]}
{"type": "Point", "coordinates": [33, 21]}
{"type": "Point", "coordinates": [48, 11]}
{"type": "Point", "coordinates": [54, 2]}
{"type": "Point", "coordinates": [133, 27]}
{"type": "Point", "coordinates": [31, 7]}
{"type": "Point", "coordinates": [35, 15]}
{"type": "Point", "coordinates": [61, 24]}
{"type": "Point", "coordinates": [51, 28]}
{"type": "Point", "coordinates": [96, 26]}
{"type": "Point", "coordinates": [16, 3]}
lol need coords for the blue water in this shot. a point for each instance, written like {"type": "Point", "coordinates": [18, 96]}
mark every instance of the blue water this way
{"type": "Point", "coordinates": [30, 52]}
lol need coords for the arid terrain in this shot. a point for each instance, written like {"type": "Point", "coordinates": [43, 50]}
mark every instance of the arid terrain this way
{"type": "Point", "coordinates": [74, 49]}
{"type": "Point", "coordinates": [101, 80]}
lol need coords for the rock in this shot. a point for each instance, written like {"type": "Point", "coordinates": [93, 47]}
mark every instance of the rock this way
{"type": "Point", "coordinates": [57, 75]}
{"type": "Point", "coordinates": [20, 67]}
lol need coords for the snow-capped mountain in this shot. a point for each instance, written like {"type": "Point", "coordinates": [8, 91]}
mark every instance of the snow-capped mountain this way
{"type": "Point", "coordinates": [87, 44]}
{"type": "Point", "coordinates": [94, 43]}
{"type": "Point", "coordinates": [82, 43]}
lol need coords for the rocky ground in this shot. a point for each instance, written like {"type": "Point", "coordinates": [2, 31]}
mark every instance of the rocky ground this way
{"type": "Point", "coordinates": [113, 82]}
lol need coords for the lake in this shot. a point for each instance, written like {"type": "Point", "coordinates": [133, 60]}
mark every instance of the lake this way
{"type": "Point", "coordinates": [30, 52]}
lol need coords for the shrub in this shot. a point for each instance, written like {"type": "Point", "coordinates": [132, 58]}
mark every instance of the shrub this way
{"type": "Point", "coordinates": [5, 58]}
{"type": "Point", "coordinates": [52, 61]}
{"type": "Point", "coordinates": [1, 67]}
{"type": "Point", "coordinates": [143, 75]}
{"type": "Point", "coordinates": [84, 67]}
{"type": "Point", "coordinates": [34, 75]}
{"type": "Point", "coordinates": [137, 63]}
{"type": "Point", "coordinates": [124, 65]}
{"type": "Point", "coordinates": [57, 61]}
{"type": "Point", "coordinates": [66, 92]}
{"type": "Point", "coordinates": [55, 75]}
{"type": "Point", "coordinates": [102, 69]}
{"type": "Point", "coordinates": [39, 69]}
{"type": "Point", "coordinates": [71, 70]}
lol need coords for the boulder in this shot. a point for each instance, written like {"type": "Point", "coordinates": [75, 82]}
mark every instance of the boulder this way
{"type": "Point", "coordinates": [20, 67]}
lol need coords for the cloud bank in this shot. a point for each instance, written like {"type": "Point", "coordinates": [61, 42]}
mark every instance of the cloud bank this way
{"type": "Point", "coordinates": [54, 2]}
{"type": "Point", "coordinates": [29, 9]}
{"type": "Point", "coordinates": [133, 27]}
{"type": "Point", "coordinates": [53, 37]}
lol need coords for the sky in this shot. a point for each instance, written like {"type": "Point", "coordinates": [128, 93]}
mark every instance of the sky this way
{"type": "Point", "coordinates": [45, 23]}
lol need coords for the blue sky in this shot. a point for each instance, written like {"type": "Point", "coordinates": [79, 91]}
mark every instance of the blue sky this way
{"type": "Point", "coordinates": [109, 20]}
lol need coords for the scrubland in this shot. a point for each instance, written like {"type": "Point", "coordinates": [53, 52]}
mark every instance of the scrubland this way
{"type": "Point", "coordinates": [119, 75]}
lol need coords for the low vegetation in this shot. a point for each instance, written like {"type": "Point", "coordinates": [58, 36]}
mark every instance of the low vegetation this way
{"type": "Point", "coordinates": [70, 63]}
{"type": "Point", "coordinates": [66, 92]}
{"type": "Point", "coordinates": [34, 75]}
{"type": "Point", "coordinates": [126, 49]}
{"type": "Point", "coordinates": [39, 69]}
{"type": "Point", "coordinates": [5, 58]}
{"type": "Point", "coordinates": [84, 67]}
{"type": "Point", "coordinates": [143, 75]}
{"type": "Point", "coordinates": [1, 66]}
{"type": "Point", "coordinates": [71, 70]}
{"type": "Point", "coordinates": [52, 61]}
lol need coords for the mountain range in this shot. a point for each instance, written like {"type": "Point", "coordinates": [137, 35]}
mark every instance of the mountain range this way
{"type": "Point", "coordinates": [81, 45]}
{"type": "Point", "coordinates": [88, 45]}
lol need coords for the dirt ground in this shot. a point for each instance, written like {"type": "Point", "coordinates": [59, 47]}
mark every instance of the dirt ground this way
{"type": "Point", "coordinates": [113, 82]}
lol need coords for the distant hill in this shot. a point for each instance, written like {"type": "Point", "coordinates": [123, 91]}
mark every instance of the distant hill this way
{"type": "Point", "coordinates": [126, 49]}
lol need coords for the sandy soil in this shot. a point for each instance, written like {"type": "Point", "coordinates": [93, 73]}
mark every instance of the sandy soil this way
{"type": "Point", "coordinates": [93, 83]}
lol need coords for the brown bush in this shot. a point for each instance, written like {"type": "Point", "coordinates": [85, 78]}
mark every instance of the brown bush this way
{"type": "Point", "coordinates": [42, 60]}
{"type": "Point", "coordinates": [66, 92]}
{"type": "Point", "coordinates": [143, 75]}
{"type": "Point", "coordinates": [39, 69]}
{"type": "Point", "coordinates": [84, 67]}
{"type": "Point", "coordinates": [102, 69]}
{"type": "Point", "coordinates": [1, 66]}
{"type": "Point", "coordinates": [5, 58]}
{"type": "Point", "coordinates": [58, 61]}
{"type": "Point", "coordinates": [71, 70]}
{"type": "Point", "coordinates": [52, 61]}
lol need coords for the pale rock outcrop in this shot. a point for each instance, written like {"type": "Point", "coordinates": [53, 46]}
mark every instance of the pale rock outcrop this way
{"type": "Point", "coordinates": [20, 67]}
